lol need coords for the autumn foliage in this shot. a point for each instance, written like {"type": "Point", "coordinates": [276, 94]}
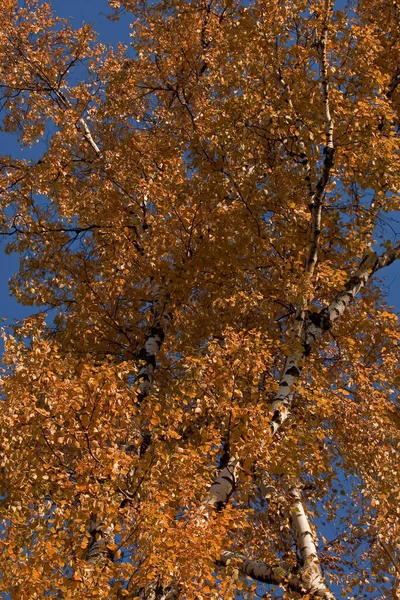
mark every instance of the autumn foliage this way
{"type": "Point", "coordinates": [210, 371]}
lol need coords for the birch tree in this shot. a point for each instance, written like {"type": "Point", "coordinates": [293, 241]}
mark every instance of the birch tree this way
{"type": "Point", "coordinates": [210, 372]}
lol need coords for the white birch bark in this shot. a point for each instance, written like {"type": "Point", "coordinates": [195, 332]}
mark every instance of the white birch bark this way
{"type": "Point", "coordinates": [292, 370]}
{"type": "Point", "coordinates": [284, 396]}
{"type": "Point", "coordinates": [277, 575]}
{"type": "Point", "coordinates": [100, 537]}
{"type": "Point", "coordinates": [316, 325]}
{"type": "Point", "coordinates": [311, 574]}
{"type": "Point", "coordinates": [329, 150]}
{"type": "Point", "coordinates": [259, 571]}
{"type": "Point", "coordinates": [149, 352]}
{"type": "Point", "coordinates": [62, 100]}
{"type": "Point", "coordinates": [153, 342]}
{"type": "Point", "coordinates": [223, 487]}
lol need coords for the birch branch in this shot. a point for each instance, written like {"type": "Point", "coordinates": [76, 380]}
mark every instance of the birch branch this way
{"type": "Point", "coordinates": [284, 396]}
{"type": "Point", "coordinates": [317, 324]}
{"type": "Point", "coordinates": [316, 194]}
{"type": "Point", "coordinates": [393, 85]}
{"type": "Point", "coordinates": [325, 319]}
{"type": "Point", "coordinates": [275, 575]}
{"type": "Point", "coordinates": [153, 342]}
{"type": "Point", "coordinates": [259, 571]}
{"type": "Point", "coordinates": [101, 537]}
{"type": "Point", "coordinates": [329, 151]}
{"type": "Point", "coordinates": [310, 576]}
{"type": "Point", "coordinates": [149, 352]}
{"type": "Point", "coordinates": [81, 123]}
{"type": "Point", "coordinates": [310, 573]}
{"type": "Point", "coordinates": [389, 93]}
{"type": "Point", "coordinates": [372, 218]}
{"type": "Point", "coordinates": [292, 370]}
{"type": "Point", "coordinates": [302, 147]}
{"type": "Point", "coordinates": [320, 322]}
{"type": "Point", "coordinates": [223, 487]}
{"type": "Point", "coordinates": [62, 99]}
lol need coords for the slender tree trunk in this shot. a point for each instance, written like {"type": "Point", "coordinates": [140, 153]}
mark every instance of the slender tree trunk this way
{"type": "Point", "coordinates": [311, 574]}
{"type": "Point", "coordinates": [316, 325]}
{"type": "Point", "coordinates": [100, 537]}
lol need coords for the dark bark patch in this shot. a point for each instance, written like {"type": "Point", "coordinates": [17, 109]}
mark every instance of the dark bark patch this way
{"type": "Point", "coordinates": [158, 332]}
{"type": "Point", "coordinates": [321, 319]}
{"type": "Point", "coordinates": [294, 371]}
{"type": "Point", "coordinates": [277, 417]}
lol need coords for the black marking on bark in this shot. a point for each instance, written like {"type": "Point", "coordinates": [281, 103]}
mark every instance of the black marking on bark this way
{"type": "Point", "coordinates": [283, 383]}
{"type": "Point", "coordinates": [144, 376]}
{"type": "Point", "coordinates": [150, 358]}
{"type": "Point", "coordinates": [321, 320]}
{"type": "Point", "coordinates": [145, 443]}
{"type": "Point", "coordinates": [157, 331]}
{"type": "Point", "coordinates": [140, 397]}
{"type": "Point", "coordinates": [353, 282]}
{"type": "Point", "coordinates": [307, 350]}
{"type": "Point", "coordinates": [224, 460]}
{"type": "Point", "coordinates": [294, 371]}
{"type": "Point", "coordinates": [97, 547]}
{"type": "Point", "coordinates": [277, 417]}
{"type": "Point", "coordinates": [220, 504]}
{"type": "Point", "coordinates": [329, 154]}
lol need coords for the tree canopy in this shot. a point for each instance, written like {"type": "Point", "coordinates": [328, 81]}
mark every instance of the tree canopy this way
{"type": "Point", "coordinates": [210, 374]}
